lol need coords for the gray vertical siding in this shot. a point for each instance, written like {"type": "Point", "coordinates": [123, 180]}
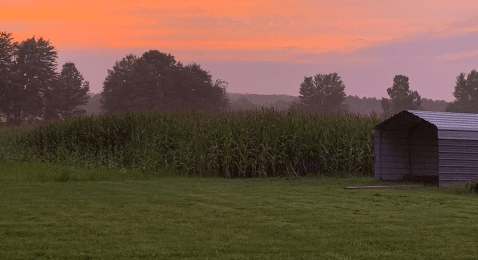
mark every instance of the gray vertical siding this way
{"type": "Point", "coordinates": [427, 144]}
{"type": "Point", "coordinates": [458, 156]}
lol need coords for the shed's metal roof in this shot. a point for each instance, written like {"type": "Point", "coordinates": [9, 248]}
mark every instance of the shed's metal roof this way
{"type": "Point", "coordinates": [442, 120]}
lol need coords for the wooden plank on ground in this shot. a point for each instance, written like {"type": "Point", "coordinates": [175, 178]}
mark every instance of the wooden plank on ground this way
{"type": "Point", "coordinates": [384, 187]}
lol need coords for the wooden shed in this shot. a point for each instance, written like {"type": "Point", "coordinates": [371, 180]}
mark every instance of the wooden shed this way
{"type": "Point", "coordinates": [430, 146]}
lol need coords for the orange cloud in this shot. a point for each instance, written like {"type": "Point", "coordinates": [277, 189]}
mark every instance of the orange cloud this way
{"type": "Point", "coordinates": [309, 26]}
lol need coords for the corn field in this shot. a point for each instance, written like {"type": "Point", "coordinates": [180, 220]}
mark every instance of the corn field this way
{"type": "Point", "coordinates": [259, 143]}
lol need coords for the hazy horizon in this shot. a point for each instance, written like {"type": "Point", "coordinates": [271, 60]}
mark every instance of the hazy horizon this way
{"type": "Point", "coordinates": [266, 47]}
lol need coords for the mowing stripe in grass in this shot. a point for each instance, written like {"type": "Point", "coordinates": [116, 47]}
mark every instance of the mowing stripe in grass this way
{"type": "Point", "coordinates": [213, 218]}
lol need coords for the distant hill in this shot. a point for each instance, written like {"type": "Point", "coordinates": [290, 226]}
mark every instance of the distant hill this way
{"type": "Point", "coordinates": [247, 101]}
{"type": "Point", "coordinates": [434, 105]}
{"type": "Point", "coordinates": [260, 99]}
{"type": "Point", "coordinates": [256, 101]}
{"type": "Point", "coordinates": [363, 105]}
{"type": "Point", "coordinates": [93, 106]}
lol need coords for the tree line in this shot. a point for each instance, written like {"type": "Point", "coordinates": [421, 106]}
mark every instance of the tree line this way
{"type": "Point", "coordinates": [30, 87]}
{"type": "Point", "coordinates": [325, 93]}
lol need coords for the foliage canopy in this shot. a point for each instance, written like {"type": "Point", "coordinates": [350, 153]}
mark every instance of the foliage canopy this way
{"type": "Point", "coordinates": [30, 87]}
{"type": "Point", "coordinates": [155, 81]}
{"type": "Point", "coordinates": [401, 98]}
{"type": "Point", "coordinates": [466, 94]}
{"type": "Point", "coordinates": [69, 92]}
{"type": "Point", "coordinates": [323, 93]}
{"type": "Point", "coordinates": [27, 71]}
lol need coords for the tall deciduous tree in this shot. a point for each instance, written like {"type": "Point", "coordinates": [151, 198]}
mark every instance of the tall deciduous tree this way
{"type": "Point", "coordinates": [7, 50]}
{"type": "Point", "coordinates": [28, 71]}
{"type": "Point", "coordinates": [117, 95]}
{"type": "Point", "coordinates": [196, 90]}
{"type": "Point", "coordinates": [323, 93]}
{"type": "Point", "coordinates": [401, 98]}
{"type": "Point", "coordinates": [70, 92]}
{"type": "Point", "coordinates": [466, 94]}
{"type": "Point", "coordinates": [156, 81]}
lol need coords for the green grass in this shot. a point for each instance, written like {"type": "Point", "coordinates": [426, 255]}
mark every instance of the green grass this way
{"type": "Point", "coordinates": [54, 217]}
{"type": "Point", "coordinates": [42, 172]}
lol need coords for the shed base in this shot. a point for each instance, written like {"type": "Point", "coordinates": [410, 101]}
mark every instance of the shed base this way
{"type": "Point", "coordinates": [422, 179]}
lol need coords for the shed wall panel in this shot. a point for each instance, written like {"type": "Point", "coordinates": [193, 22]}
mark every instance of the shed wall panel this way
{"type": "Point", "coordinates": [401, 171]}
{"type": "Point", "coordinates": [394, 141]}
{"type": "Point", "coordinates": [429, 160]}
{"type": "Point", "coordinates": [392, 177]}
{"type": "Point", "coordinates": [457, 142]}
{"type": "Point", "coordinates": [377, 155]}
{"type": "Point", "coordinates": [460, 135]}
{"type": "Point", "coordinates": [395, 147]}
{"type": "Point", "coordinates": [394, 153]}
{"type": "Point", "coordinates": [424, 152]}
{"type": "Point", "coordinates": [426, 165]}
{"type": "Point", "coordinates": [397, 159]}
{"type": "Point", "coordinates": [458, 149]}
{"type": "Point", "coordinates": [458, 161]}
{"type": "Point", "coordinates": [376, 173]}
{"type": "Point", "coordinates": [425, 172]}
{"type": "Point", "coordinates": [425, 142]}
{"type": "Point", "coordinates": [425, 135]}
{"type": "Point", "coordinates": [458, 170]}
{"type": "Point", "coordinates": [417, 148]}
{"type": "Point", "coordinates": [392, 145]}
{"type": "Point", "coordinates": [390, 135]}
{"type": "Point", "coordinates": [404, 172]}
{"type": "Point", "coordinates": [458, 156]}
{"type": "Point", "coordinates": [393, 165]}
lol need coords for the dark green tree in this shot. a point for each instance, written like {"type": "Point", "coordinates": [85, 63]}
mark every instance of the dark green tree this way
{"type": "Point", "coordinates": [196, 90]}
{"type": "Point", "coordinates": [466, 94]}
{"type": "Point", "coordinates": [155, 81]}
{"type": "Point", "coordinates": [222, 100]}
{"type": "Point", "coordinates": [401, 98]}
{"type": "Point", "coordinates": [117, 94]}
{"type": "Point", "coordinates": [70, 92]}
{"type": "Point", "coordinates": [27, 71]}
{"type": "Point", "coordinates": [7, 50]}
{"type": "Point", "coordinates": [323, 93]}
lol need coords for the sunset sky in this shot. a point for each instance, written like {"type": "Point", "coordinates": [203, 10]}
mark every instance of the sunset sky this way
{"type": "Point", "coordinates": [265, 47]}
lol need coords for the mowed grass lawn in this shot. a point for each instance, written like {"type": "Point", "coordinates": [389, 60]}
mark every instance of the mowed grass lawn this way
{"type": "Point", "coordinates": [55, 214]}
